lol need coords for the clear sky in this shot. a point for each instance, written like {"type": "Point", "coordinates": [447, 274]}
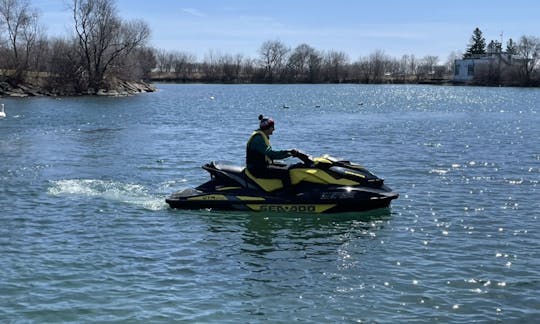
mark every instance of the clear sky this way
{"type": "Point", "coordinates": [356, 27]}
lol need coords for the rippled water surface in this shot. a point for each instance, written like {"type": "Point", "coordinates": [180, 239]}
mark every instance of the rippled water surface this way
{"type": "Point", "coordinates": [86, 236]}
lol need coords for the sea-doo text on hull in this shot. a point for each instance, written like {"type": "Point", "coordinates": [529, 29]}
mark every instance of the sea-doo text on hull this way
{"type": "Point", "coordinates": [319, 185]}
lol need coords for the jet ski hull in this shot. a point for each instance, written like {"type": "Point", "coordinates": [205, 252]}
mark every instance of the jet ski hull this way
{"type": "Point", "coordinates": [339, 199]}
{"type": "Point", "coordinates": [321, 185]}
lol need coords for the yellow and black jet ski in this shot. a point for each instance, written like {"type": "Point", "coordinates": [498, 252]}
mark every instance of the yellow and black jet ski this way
{"type": "Point", "coordinates": [318, 185]}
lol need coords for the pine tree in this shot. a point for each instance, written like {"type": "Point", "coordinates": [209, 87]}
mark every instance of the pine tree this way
{"type": "Point", "coordinates": [477, 45]}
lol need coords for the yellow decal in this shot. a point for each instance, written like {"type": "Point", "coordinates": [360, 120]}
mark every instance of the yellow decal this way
{"type": "Point", "coordinates": [209, 197]}
{"type": "Point", "coordinates": [250, 198]}
{"type": "Point", "coordinates": [267, 184]}
{"type": "Point", "coordinates": [355, 174]}
{"type": "Point", "coordinates": [291, 208]}
{"type": "Point", "coordinates": [322, 160]}
{"type": "Point", "coordinates": [317, 176]}
{"type": "Point", "coordinates": [228, 188]}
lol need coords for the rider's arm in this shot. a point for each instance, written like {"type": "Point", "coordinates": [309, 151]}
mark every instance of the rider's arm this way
{"type": "Point", "coordinates": [260, 146]}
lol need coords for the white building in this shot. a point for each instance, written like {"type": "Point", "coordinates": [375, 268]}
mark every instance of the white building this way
{"type": "Point", "coordinates": [481, 66]}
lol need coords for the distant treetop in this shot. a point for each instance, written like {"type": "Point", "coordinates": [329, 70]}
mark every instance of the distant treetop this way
{"type": "Point", "coordinates": [477, 46]}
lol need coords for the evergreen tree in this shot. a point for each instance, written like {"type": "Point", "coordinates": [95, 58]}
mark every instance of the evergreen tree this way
{"type": "Point", "coordinates": [477, 45]}
{"type": "Point", "coordinates": [511, 47]}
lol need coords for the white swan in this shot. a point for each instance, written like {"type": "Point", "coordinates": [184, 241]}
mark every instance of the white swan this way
{"type": "Point", "coordinates": [2, 113]}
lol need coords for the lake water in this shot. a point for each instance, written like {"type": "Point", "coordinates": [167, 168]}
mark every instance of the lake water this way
{"type": "Point", "coordinates": [86, 235]}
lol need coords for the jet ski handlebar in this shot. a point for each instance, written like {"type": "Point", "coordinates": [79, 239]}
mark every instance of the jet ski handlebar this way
{"type": "Point", "coordinates": [304, 157]}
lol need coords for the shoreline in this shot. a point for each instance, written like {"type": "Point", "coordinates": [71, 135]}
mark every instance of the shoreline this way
{"type": "Point", "coordinates": [120, 89]}
{"type": "Point", "coordinates": [129, 88]}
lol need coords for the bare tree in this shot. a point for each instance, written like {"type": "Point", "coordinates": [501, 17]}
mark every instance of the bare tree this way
{"type": "Point", "coordinates": [162, 60]}
{"type": "Point", "coordinates": [334, 64]}
{"type": "Point", "coordinates": [136, 66]}
{"type": "Point", "coordinates": [249, 69]}
{"type": "Point", "coordinates": [379, 62]}
{"type": "Point", "coordinates": [409, 64]}
{"type": "Point", "coordinates": [63, 64]}
{"type": "Point", "coordinates": [273, 58]}
{"type": "Point", "coordinates": [429, 63]}
{"type": "Point", "coordinates": [182, 64]}
{"type": "Point", "coordinates": [232, 66]}
{"type": "Point", "coordinates": [103, 38]}
{"type": "Point", "coordinates": [426, 67]}
{"type": "Point", "coordinates": [304, 64]}
{"type": "Point", "coordinates": [450, 61]}
{"type": "Point", "coordinates": [403, 68]}
{"type": "Point", "coordinates": [20, 22]}
{"type": "Point", "coordinates": [361, 70]}
{"type": "Point", "coordinates": [211, 67]}
{"type": "Point", "coordinates": [529, 49]}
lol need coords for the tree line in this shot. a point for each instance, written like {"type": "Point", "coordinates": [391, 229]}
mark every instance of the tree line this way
{"type": "Point", "coordinates": [277, 63]}
{"type": "Point", "coordinates": [103, 48]}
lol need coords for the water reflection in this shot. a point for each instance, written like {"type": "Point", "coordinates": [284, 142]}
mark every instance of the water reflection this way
{"type": "Point", "coordinates": [263, 233]}
{"type": "Point", "coordinates": [271, 255]}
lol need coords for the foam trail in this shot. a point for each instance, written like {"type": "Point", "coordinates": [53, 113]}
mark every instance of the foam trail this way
{"type": "Point", "coordinates": [132, 194]}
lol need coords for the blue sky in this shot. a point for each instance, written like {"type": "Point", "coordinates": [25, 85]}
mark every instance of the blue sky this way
{"type": "Point", "coordinates": [357, 28]}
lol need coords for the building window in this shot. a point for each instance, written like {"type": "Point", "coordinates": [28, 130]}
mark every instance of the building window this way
{"type": "Point", "coordinates": [470, 69]}
{"type": "Point", "coordinates": [456, 69]}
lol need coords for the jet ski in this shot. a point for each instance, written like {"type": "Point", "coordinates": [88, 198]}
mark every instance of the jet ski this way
{"type": "Point", "coordinates": [317, 185]}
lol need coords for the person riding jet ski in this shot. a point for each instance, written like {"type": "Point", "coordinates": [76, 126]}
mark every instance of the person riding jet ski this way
{"type": "Point", "coordinates": [260, 156]}
{"type": "Point", "coordinates": [317, 185]}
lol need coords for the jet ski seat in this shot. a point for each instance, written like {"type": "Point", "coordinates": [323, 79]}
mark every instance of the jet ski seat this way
{"type": "Point", "coordinates": [227, 167]}
{"type": "Point", "coordinates": [240, 174]}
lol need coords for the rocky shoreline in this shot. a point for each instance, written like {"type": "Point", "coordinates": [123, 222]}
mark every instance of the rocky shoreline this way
{"type": "Point", "coordinates": [120, 89]}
